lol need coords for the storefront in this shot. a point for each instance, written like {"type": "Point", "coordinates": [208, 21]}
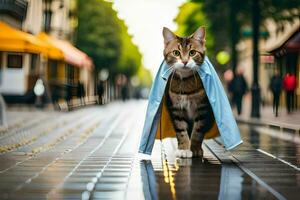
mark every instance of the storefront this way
{"type": "Point", "coordinates": [65, 70]}
{"type": "Point", "coordinates": [23, 57]}
{"type": "Point", "coordinates": [287, 58]}
{"type": "Point", "coordinates": [71, 77]}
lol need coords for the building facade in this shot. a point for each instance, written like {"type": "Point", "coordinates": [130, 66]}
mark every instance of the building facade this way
{"type": "Point", "coordinates": [57, 20]}
{"type": "Point", "coordinates": [269, 61]}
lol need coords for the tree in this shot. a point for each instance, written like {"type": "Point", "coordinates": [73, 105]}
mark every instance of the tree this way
{"type": "Point", "coordinates": [104, 37]}
{"type": "Point", "coordinates": [130, 59]}
{"type": "Point", "coordinates": [213, 15]}
{"type": "Point", "coordinates": [145, 77]}
{"type": "Point", "coordinates": [191, 17]}
{"type": "Point", "coordinates": [225, 24]}
{"type": "Point", "coordinates": [233, 15]}
{"type": "Point", "coordinates": [98, 32]}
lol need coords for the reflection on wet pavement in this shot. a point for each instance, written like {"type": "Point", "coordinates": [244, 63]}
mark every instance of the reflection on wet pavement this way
{"type": "Point", "coordinates": [148, 179]}
{"type": "Point", "coordinates": [95, 158]}
{"type": "Point", "coordinates": [260, 138]}
{"type": "Point", "coordinates": [197, 179]}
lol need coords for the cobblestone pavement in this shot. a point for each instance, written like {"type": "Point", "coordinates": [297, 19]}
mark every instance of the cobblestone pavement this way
{"type": "Point", "coordinates": [91, 153]}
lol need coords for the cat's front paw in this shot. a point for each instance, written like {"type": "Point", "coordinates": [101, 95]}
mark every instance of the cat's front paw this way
{"type": "Point", "coordinates": [184, 153]}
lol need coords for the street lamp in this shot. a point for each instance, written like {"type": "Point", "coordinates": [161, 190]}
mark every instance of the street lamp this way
{"type": "Point", "coordinates": [255, 111]}
{"type": "Point", "coordinates": [103, 75]}
{"type": "Point", "coordinates": [39, 90]}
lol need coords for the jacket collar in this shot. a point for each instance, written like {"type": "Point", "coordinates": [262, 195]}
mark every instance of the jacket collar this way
{"type": "Point", "coordinates": [166, 71]}
{"type": "Point", "coordinates": [203, 70]}
{"type": "Point", "coordinates": [205, 67]}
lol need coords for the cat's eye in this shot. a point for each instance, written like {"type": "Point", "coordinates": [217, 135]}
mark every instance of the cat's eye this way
{"type": "Point", "coordinates": [192, 52]}
{"type": "Point", "coordinates": [176, 53]}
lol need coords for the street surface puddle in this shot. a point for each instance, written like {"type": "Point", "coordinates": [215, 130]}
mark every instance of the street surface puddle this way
{"type": "Point", "coordinates": [168, 177]}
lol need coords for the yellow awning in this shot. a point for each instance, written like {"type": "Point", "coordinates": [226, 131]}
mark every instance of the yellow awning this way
{"type": "Point", "coordinates": [14, 40]}
{"type": "Point", "coordinates": [72, 55]}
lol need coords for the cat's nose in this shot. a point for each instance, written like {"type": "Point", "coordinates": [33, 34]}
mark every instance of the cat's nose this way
{"type": "Point", "coordinates": [184, 62]}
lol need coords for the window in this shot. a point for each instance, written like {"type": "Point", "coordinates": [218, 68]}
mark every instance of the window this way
{"type": "Point", "coordinates": [14, 61]}
{"type": "Point", "coordinates": [52, 70]}
{"type": "Point", "coordinates": [70, 73]}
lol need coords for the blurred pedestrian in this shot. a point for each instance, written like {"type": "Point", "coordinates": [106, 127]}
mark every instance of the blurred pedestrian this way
{"type": "Point", "coordinates": [80, 92]}
{"type": "Point", "coordinates": [275, 87]}
{"type": "Point", "coordinates": [289, 85]}
{"type": "Point", "coordinates": [238, 88]}
{"type": "Point", "coordinates": [100, 91]}
{"type": "Point", "coordinates": [228, 77]}
{"type": "Point", "coordinates": [124, 92]}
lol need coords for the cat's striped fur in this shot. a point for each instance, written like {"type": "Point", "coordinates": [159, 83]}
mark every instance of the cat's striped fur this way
{"type": "Point", "coordinates": [187, 102]}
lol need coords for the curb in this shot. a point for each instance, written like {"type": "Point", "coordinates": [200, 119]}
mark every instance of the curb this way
{"type": "Point", "coordinates": [271, 124]}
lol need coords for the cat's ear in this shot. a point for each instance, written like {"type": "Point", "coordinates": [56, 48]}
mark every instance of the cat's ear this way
{"type": "Point", "coordinates": [199, 34]}
{"type": "Point", "coordinates": [168, 35]}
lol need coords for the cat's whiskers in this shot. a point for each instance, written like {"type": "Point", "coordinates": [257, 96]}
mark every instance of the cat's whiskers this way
{"type": "Point", "coordinates": [170, 68]}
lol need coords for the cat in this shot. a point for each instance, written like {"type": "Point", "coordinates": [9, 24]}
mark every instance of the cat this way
{"type": "Point", "coordinates": [186, 100]}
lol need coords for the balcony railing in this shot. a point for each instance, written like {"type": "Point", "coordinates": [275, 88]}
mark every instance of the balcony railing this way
{"type": "Point", "coordinates": [14, 8]}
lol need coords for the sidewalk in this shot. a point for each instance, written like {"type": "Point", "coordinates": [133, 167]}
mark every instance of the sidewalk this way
{"type": "Point", "coordinates": [283, 121]}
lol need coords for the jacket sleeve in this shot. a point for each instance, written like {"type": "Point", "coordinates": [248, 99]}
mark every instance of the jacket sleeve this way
{"type": "Point", "coordinates": [153, 111]}
{"type": "Point", "coordinates": [225, 120]}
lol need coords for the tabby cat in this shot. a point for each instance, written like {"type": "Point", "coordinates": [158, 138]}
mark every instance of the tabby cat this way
{"type": "Point", "coordinates": [186, 99]}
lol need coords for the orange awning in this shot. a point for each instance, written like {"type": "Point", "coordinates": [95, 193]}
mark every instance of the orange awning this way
{"type": "Point", "coordinates": [14, 40]}
{"type": "Point", "coordinates": [72, 55]}
{"type": "Point", "coordinates": [290, 44]}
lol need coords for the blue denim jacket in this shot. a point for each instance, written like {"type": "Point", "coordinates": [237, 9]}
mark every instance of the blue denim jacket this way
{"type": "Point", "coordinates": [226, 123]}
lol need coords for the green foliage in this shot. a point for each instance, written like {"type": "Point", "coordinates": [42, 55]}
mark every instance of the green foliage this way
{"type": "Point", "coordinates": [145, 77]}
{"type": "Point", "coordinates": [130, 57]}
{"type": "Point", "coordinates": [98, 32]}
{"type": "Point", "coordinates": [191, 17]}
{"type": "Point", "coordinates": [218, 13]}
{"type": "Point", "coordinates": [104, 37]}
{"type": "Point", "coordinates": [227, 19]}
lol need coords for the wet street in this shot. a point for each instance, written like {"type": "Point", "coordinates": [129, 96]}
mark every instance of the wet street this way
{"type": "Point", "coordinates": [91, 153]}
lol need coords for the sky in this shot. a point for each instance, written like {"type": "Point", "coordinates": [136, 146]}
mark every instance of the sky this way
{"type": "Point", "coordinates": [145, 20]}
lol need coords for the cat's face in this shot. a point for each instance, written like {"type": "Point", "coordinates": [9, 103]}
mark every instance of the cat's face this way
{"type": "Point", "coordinates": [184, 54]}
